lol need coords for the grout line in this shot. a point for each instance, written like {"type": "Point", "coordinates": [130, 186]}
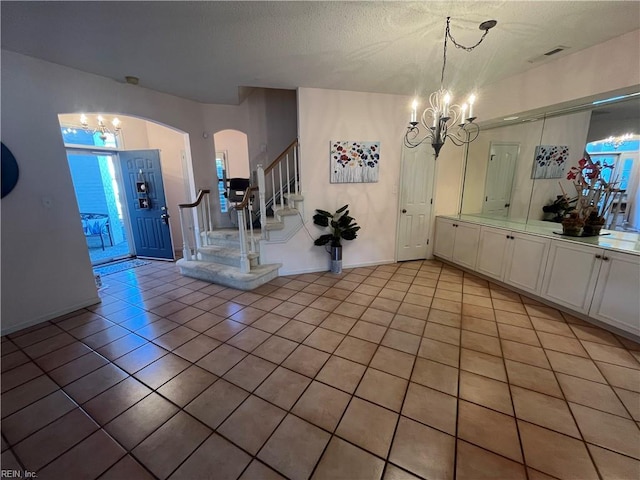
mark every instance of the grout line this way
{"type": "Point", "coordinates": [387, 328]}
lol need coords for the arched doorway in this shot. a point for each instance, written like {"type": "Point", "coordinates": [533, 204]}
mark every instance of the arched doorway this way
{"type": "Point", "coordinates": [232, 160]}
{"type": "Point", "coordinates": [111, 223]}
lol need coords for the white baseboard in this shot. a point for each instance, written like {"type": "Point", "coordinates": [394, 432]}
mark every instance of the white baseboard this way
{"type": "Point", "coordinates": [50, 316]}
{"type": "Point", "coordinates": [284, 272]}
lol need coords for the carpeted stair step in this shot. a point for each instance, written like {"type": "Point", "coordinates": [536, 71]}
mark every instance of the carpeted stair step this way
{"type": "Point", "coordinates": [225, 255]}
{"type": "Point", "coordinates": [227, 275]}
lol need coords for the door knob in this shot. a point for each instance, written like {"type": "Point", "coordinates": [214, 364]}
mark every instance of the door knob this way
{"type": "Point", "coordinates": [404, 210]}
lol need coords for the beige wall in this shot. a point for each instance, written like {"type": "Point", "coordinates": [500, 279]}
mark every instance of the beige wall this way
{"type": "Point", "coordinates": [234, 143]}
{"type": "Point", "coordinates": [612, 66]}
{"type": "Point", "coordinates": [45, 264]}
{"type": "Point", "coordinates": [327, 115]}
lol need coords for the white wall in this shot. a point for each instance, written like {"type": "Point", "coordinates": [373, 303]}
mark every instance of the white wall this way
{"type": "Point", "coordinates": [45, 264]}
{"type": "Point", "coordinates": [327, 115]}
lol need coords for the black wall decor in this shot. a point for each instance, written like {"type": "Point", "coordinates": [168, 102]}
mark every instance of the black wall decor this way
{"type": "Point", "coordinates": [9, 171]}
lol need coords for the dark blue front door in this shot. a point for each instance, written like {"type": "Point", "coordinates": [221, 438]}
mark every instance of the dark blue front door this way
{"type": "Point", "coordinates": [146, 203]}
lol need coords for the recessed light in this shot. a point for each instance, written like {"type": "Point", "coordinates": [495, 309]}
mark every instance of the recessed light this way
{"type": "Point", "coordinates": [511, 118]}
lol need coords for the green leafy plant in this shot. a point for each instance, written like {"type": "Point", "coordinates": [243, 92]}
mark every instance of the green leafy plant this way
{"type": "Point", "coordinates": [341, 224]}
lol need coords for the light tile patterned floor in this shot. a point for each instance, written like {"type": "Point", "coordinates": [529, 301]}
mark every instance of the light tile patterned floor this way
{"type": "Point", "coordinates": [404, 371]}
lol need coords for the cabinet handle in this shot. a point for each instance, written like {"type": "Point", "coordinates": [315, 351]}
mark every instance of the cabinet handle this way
{"type": "Point", "coordinates": [598, 256]}
{"type": "Point", "coordinates": [508, 236]}
{"type": "Point", "coordinates": [606, 259]}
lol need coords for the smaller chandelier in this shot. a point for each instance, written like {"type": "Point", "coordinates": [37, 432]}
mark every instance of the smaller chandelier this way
{"type": "Point", "coordinates": [102, 127]}
{"type": "Point", "coordinates": [617, 142]}
{"type": "Point", "coordinates": [444, 120]}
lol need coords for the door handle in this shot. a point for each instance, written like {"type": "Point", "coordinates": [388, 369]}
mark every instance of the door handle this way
{"type": "Point", "coordinates": [404, 210]}
{"type": "Point", "coordinates": [165, 215]}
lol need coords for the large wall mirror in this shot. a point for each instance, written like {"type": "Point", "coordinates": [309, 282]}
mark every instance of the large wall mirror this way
{"type": "Point", "coordinates": [507, 176]}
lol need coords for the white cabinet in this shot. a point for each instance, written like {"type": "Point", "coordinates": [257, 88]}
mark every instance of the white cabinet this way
{"type": "Point", "coordinates": [571, 274]}
{"type": "Point", "coordinates": [600, 283]}
{"type": "Point", "coordinates": [616, 299]}
{"type": "Point", "coordinates": [512, 257]}
{"type": "Point", "coordinates": [493, 244]}
{"type": "Point", "coordinates": [457, 242]}
{"type": "Point", "coordinates": [596, 281]}
{"type": "Point", "coordinates": [445, 235]}
{"type": "Point", "coordinates": [526, 259]}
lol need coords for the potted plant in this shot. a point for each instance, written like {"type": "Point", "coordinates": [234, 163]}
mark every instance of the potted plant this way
{"type": "Point", "coordinates": [594, 195]}
{"type": "Point", "coordinates": [555, 211]}
{"type": "Point", "coordinates": [342, 227]}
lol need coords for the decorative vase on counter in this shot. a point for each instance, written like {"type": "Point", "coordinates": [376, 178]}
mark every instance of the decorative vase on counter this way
{"type": "Point", "coordinates": [572, 225]}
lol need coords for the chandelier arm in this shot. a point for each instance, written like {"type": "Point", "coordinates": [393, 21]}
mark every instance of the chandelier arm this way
{"type": "Point", "coordinates": [471, 131]}
{"type": "Point", "coordinates": [413, 133]}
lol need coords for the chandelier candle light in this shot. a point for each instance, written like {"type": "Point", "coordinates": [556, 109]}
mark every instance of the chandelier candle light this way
{"type": "Point", "coordinates": [443, 119]}
{"type": "Point", "coordinates": [102, 127]}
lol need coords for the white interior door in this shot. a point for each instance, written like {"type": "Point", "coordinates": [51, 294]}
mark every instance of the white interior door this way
{"type": "Point", "coordinates": [415, 202]}
{"type": "Point", "coordinates": [499, 183]}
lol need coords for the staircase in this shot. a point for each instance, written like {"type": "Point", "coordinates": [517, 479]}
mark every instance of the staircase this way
{"type": "Point", "coordinates": [231, 257]}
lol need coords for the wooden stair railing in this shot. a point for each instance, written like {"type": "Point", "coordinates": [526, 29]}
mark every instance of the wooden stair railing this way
{"type": "Point", "coordinates": [288, 161]}
{"type": "Point", "coordinates": [202, 217]}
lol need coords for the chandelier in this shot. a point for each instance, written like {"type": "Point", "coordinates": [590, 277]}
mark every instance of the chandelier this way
{"type": "Point", "coordinates": [442, 119]}
{"type": "Point", "coordinates": [617, 142]}
{"type": "Point", "coordinates": [101, 127]}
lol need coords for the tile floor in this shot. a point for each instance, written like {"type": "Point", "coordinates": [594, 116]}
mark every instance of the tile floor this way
{"type": "Point", "coordinates": [404, 371]}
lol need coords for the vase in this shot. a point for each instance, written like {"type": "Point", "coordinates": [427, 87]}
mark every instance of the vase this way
{"type": "Point", "coordinates": [336, 259]}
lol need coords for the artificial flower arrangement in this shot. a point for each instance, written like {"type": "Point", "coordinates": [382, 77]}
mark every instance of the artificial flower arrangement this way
{"type": "Point", "coordinates": [594, 196]}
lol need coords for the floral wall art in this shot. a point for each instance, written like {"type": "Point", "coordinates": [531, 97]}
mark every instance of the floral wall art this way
{"type": "Point", "coordinates": [354, 162]}
{"type": "Point", "coordinates": [550, 161]}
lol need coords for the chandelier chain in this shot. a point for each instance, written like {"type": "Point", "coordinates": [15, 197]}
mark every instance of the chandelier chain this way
{"type": "Point", "coordinates": [458, 45]}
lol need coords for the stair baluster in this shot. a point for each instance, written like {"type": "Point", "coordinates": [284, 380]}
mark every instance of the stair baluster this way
{"type": "Point", "coordinates": [262, 185]}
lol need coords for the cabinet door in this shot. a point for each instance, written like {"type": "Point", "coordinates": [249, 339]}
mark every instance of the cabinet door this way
{"type": "Point", "coordinates": [526, 261]}
{"type": "Point", "coordinates": [445, 234]}
{"type": "Point", "coordinates": [491, 252]}
{"type": "Point", "coordinates": [465, 245]}
{"type": "Point", "coordinates": [571, 274]}
{"type": "Point", "coordinates": [616, 299]}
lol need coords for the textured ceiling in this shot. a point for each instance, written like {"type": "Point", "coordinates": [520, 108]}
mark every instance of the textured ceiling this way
{"type": "Point", "coordinates": [207, 51]}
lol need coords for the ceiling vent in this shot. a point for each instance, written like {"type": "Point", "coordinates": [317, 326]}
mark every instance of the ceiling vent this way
{"type": "Point", "coordinates": [550, 53]}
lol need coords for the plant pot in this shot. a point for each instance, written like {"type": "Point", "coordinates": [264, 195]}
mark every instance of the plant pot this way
{"type": "Point", "coordinates": [593, 225]}
{"type": "Point", "coordinates": [336, 259]}
{"type": "Point", "coordinates": [572, 225]}
{"type": "Point", "coordinates": [571, 230]}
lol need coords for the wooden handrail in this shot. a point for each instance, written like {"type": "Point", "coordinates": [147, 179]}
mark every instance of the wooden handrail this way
{"type": "Point", "coordinates": [272, 165]}
{"type": "Point", "coordinates": [201, 194]}
{"type": "Point", "coordinates": [245, 199]}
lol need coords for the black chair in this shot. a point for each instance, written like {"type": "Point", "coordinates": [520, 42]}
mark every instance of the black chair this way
{"type": "Point", "coordinates": [236, 188]}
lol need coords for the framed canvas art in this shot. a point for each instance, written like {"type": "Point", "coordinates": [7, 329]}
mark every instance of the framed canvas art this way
{"type": "Point", "coordinates": [550, 161]}
{"type": "Point", "coordinates": [354, 162]}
